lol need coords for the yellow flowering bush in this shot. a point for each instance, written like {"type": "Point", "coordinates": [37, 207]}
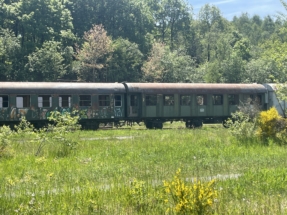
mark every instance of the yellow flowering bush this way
{"type": "Point", "coordinates": [194, 198]}
{"type": "Point", "coordinates": [272, 125]}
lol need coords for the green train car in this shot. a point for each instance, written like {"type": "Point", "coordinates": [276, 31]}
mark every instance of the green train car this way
{"type": "Point", "coordinates": [155, 103]}
{"type": "Point", "coordinates": [151, 103]}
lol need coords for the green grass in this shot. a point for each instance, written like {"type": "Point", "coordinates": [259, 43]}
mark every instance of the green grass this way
{"type": "Point", "coordinates": [96, 177]}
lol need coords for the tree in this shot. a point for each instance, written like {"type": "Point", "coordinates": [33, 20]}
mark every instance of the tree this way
{"type": "Point", "coordinates": [9, 49]}
{"type": "Point", "coordinates": [276, 51]}
{"type": "Point", "coordinates": [166, 66]}
{"type": "Point", "coordinates": [210, 27]}
{"type": "Point", "coordinates": [173, 19]}
{"type": "Point", "coordinates": [94, 54]}
{"type": "Point", "coordinates": [125, 63]}
{"type": "Point", "coordinates": [46, 63]}
{"type": "Point", "coordinates": [261, 71]}
{"type": "Point", "coordinates": [129, 19]}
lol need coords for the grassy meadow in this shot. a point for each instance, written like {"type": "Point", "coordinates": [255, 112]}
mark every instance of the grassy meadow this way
{"type": "Point", "coordinates": [123, 172]}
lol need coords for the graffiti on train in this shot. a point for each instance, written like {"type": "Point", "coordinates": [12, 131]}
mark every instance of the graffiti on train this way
{"type": "Point", "coordinates": [13, 113]}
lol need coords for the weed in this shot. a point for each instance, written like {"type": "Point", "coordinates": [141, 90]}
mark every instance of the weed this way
{"type": "Point", "coordinates": [195, 198]}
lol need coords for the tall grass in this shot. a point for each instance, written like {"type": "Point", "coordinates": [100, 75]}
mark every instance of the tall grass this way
{"type": "Point", "coordinates": [97, 177]}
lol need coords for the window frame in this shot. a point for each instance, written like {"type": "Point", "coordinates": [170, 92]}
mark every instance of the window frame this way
{"type": "Point", "coordinates": [104, 100]}
{"type": "Point", "coordinates": [26, 101]}
{"type": "Point", "coordinates": [234, 100]}
{"type": "Point", "coordinates": [204, 97]}
{"type": "Point", "coordinates": [118, 103]}
{"type": "Point", "coordinates": [45, 101]}
{"type": "Point", "coordinates": [168, 100]}
{"type": "Point", "coordinates": [85, 100]}
{"type": "Point", "coordinates": [217, 99]}
{"type": "Point", "coordinates": [69, 101]}
{"type": "Point", "coordinates": [151, 100]}
{"type": "Point", "coordinates": [2, 101]}
{"type": "Point", "coordinates": [186, 101]}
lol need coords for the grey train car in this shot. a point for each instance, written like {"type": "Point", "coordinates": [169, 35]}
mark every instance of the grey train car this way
{"type": "Point", "coordinates": [151, 103]}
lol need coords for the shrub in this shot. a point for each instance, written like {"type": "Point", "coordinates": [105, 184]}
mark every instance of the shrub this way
{"type": "Point", "coordinates": [194, 198]}
{"type": "Point", "coordinates": [242, 126]}
{"type": "Point", "coordinates": [272, 125]}
{"type": "Point", "coordinates": [62, 125]}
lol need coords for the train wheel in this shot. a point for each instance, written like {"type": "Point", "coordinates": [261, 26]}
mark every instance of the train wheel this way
{"type": "Point", "coordinates": [95, 126]}
{"type": "Point", "coordinates": [149, 125]}
{"type": "Point", "coordinates": [197, 124]}
{"type": "Point", "coordinates": [188, 124]}
{"type": "Point", "coordinates": [158, 125]}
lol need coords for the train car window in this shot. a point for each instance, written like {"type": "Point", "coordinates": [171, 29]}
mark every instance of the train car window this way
{"type": "Point", "coordinates": [23, 101]}
{"type": "Point", "coordinates": [248, 99]}
{"type": "Point", "coordinates": [258, 99]}
{"type": "Point", "coordinates": [233, 99]}
{"type": "Point", "coordinates": [64, 101]}
{"type": "Point", "coordinates": [118, 100]}
{"type": "Point", "coordinates": [4, 101]}
{"type": "Point", "coordinates": [168, 100]}
{"type": "Point", "coordinates": [44, 101]}
{"type": "Point", "coordinates": [104, 100]}
{"type": "Point", "coordinates": [134, 100]}
{"type": "Point", "coordinates": [150, 100]}
{"type": "Point", "coordinates": [217, 99]}
{"type": "Point", "coordinates": [85, 100]}
{"type": "Point", "coordinates": [201, 100]}
{"type": "Point", "coordinates": [185, 100]}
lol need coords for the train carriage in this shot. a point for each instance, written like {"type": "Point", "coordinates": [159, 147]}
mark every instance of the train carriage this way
{"type": "Point", "coordinates": [193, 103]}
{"type": "Point", "coordinates": [95, 102]}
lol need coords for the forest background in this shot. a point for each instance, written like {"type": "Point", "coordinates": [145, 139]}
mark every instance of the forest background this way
{"type": "Point", "coordinates": [138, 41]}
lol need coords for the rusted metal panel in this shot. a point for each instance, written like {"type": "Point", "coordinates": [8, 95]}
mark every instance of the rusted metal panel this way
{"type": "Point", "coordinates": [59, 88]}
{"type": "Point", "coordinates": [194, 88]}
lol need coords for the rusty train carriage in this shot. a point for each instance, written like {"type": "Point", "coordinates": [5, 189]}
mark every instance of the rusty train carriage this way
{"type": "Point", "coordinates": [193, 103]}
{"type": "Point", "coordinates": [96, 103]}
{"type": "Point", "coordinates": [152, 103]}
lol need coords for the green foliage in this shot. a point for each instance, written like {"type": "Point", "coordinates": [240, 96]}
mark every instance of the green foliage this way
{"type": "Point", "coordinates": [47, 63]}
{"type": "Point", "coordinates": [125, 63]}
{"type": "Point", "coordinates": [6, 150]}
{"type": "Point", "coordinates": [55, 134]}
{"type": "Point", "coordinates": [166, 66]}
{"type": "Point", "coordinates": [196, 198]}
{"type": "Point", "coordinates": [97, 178]}
{"type": "Point", "coordinates": [62, 125]}
{"type": "Point", "coordinates": [138, 195]}
{"type": "Point", "coordinates": [242, 126]}
{"type": "Point", "coordinates": [9, 48]}
{"type": "Point", "coordinates": [206, 45]}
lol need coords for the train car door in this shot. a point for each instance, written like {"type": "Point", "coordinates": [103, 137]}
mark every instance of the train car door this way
{"type": "Point", "coordinates": [134, 105]}
{"type": "Point", "coordinates": [233, 102]}
{"type": "Point", "coordinates": [217, 104]}
{"type": "Point", "coordinates": [201, 104]}
{"type": "Point", "coordinates": [168, 105]}
{"type": "Point", "coordinates": [118, 106]}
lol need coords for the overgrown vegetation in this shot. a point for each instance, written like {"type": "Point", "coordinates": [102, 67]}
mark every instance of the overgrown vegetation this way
{"type": "Point", "coordinates": [133, 172]}
{"type": "Point", "coordinates": [55, 133]}
{"type": "Point", "coordinates": [265, 125]}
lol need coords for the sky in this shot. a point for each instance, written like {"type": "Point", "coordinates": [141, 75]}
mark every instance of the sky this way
{"type": "Point", "coordinates": [231, 8]}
